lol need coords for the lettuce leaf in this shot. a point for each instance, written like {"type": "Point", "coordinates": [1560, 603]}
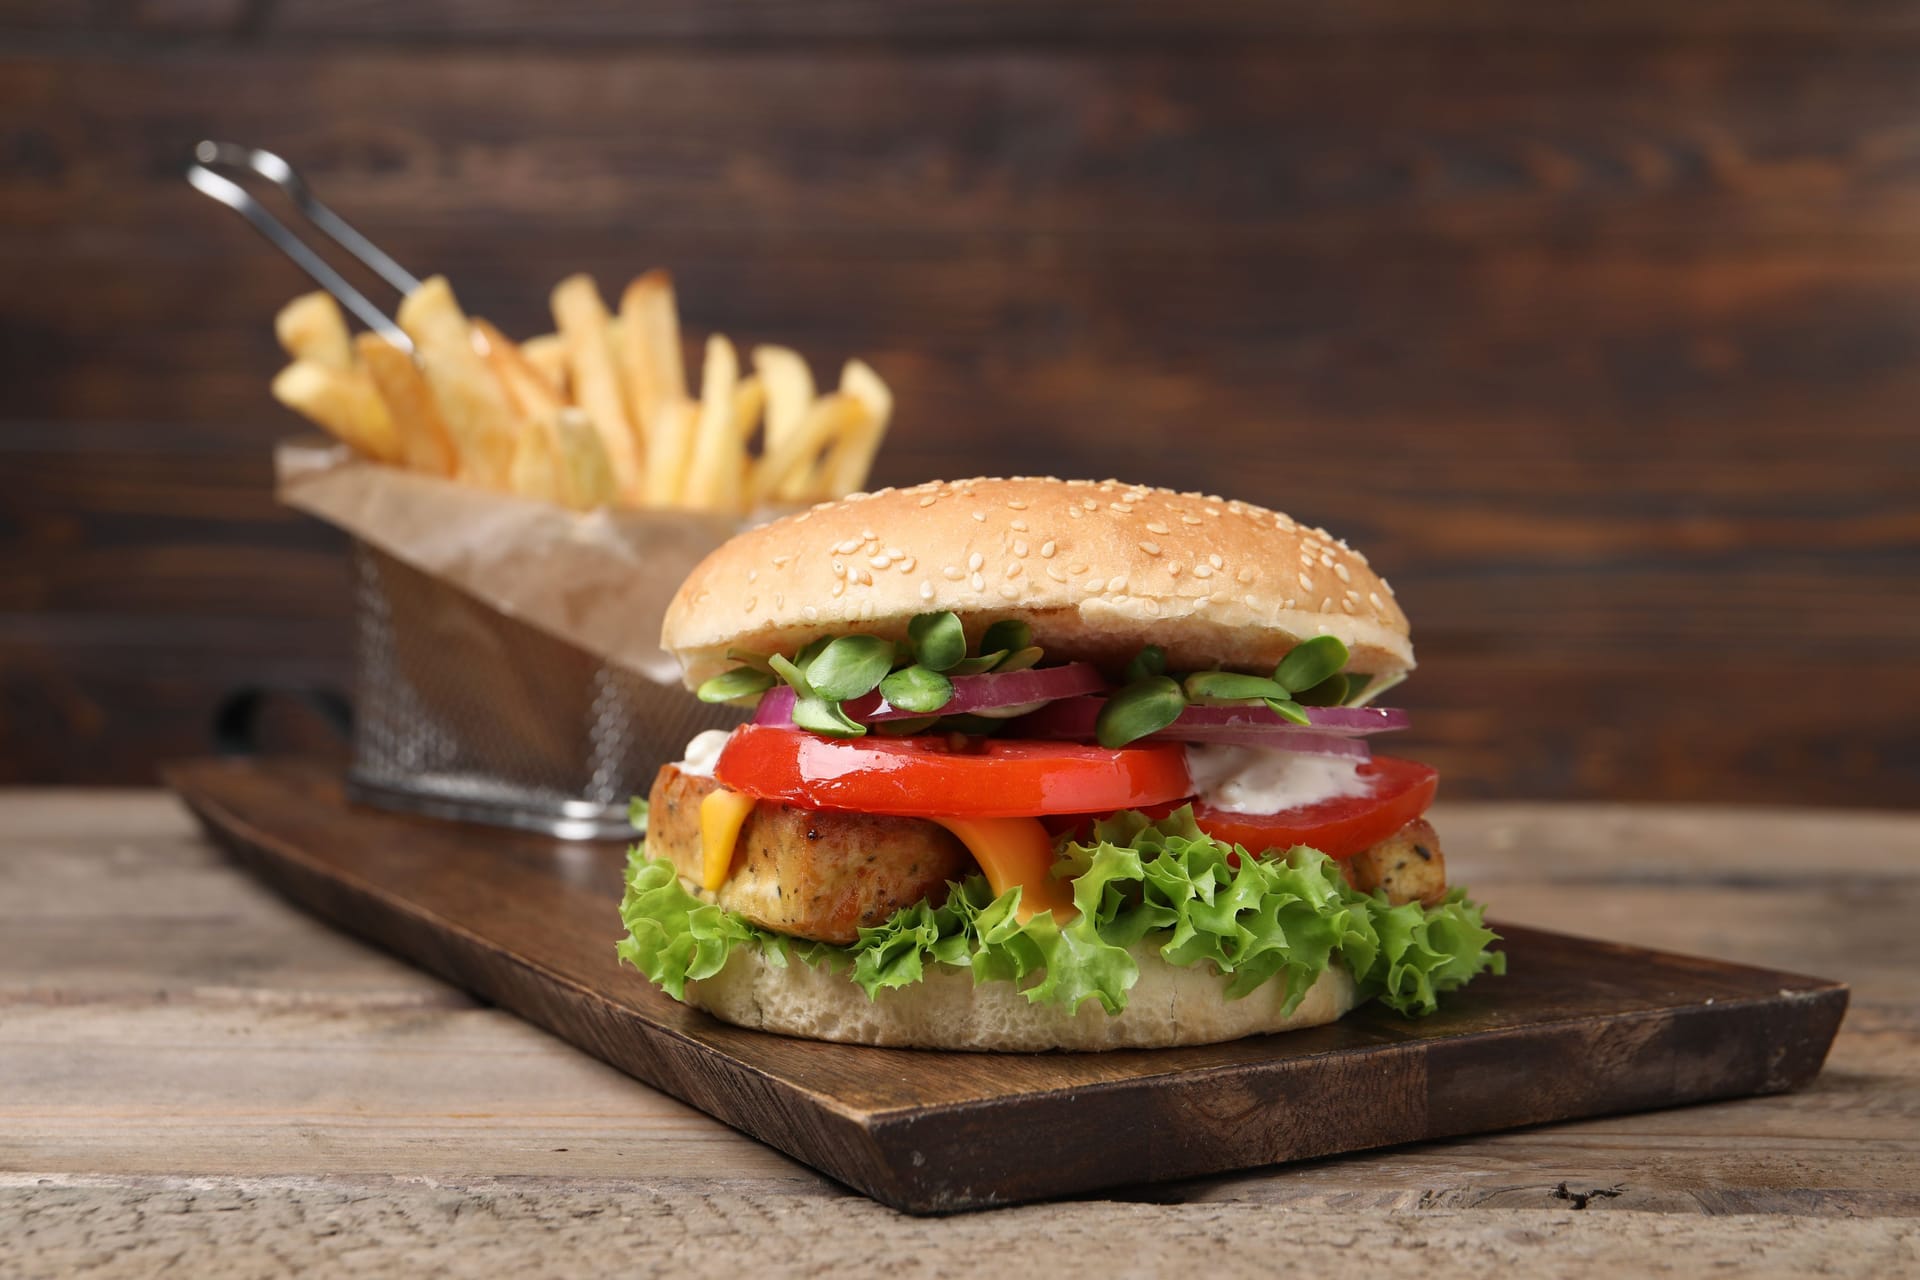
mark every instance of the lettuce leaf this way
{"type": "Point", "coordinates": [1255, 920]}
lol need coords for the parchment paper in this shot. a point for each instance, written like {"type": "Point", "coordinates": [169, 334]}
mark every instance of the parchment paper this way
{"type": "Point", "coordinates": [599, 580]}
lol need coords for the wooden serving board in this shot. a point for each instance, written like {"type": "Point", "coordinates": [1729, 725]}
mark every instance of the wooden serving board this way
{"type": "Point", "coordinates": [1577, 1028]}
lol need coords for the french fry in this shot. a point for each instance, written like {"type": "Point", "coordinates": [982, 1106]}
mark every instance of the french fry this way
{"type": "Point", "coordinates": [845, 469]}
{"type": "Point", "coordinates": [669, 449]}
{"type": "Point", "coordinates": [649, 348]}
{"type": "Point", "coordinates": [311, 328]}
{"type": "Point", "coordinates": [528, 390]}
{"type": "Point", "coordinates": [827, 420]}
{"type": "Point", "coordinates": [343, 401]}
{"type": "Point", "coordinates": [472, 402]}
{"type": "Point", "coordinates": [719, 452]}
{"type": "Point", "coordinates": [586, 478]}
{"type": "Point", "coordinates": [548, 354]}
{"type": "Point", "coordinates": [423, 440]}
{"type": "Point", "coordinates": [790, 392]}
{"type": "Point", "coordinates": [582, 320]}
{"type": "Point", "coordinates": [535, 471]}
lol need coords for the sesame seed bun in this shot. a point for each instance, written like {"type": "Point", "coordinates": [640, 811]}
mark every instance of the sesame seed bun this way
{"type": "Point", "coordinates": [1097, 570]}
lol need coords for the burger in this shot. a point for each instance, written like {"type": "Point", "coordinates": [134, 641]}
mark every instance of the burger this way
{"type": "Point", "coordinates": [1041, 764]}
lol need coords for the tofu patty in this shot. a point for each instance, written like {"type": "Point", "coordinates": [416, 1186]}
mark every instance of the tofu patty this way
{"type": "Point", "coordinates": [804, 872]}
{"type": "Point", "coordinates": [825, 875]}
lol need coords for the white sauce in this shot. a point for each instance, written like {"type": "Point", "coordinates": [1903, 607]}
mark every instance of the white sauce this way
{"type": "Point", "coordinates": [1262, 780]}
{"type": "Point", "coordinates": [703, 751]}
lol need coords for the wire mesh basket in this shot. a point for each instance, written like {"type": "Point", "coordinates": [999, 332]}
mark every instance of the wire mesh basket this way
{"type": "Point", "coordinates": [464, 712]}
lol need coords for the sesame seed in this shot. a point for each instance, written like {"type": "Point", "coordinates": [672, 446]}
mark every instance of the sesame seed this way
{"type": "Point", "coordinates": [1152, 607]}
{"type": "Point", "coordinates": [1214, 511]}
{"type": "Point", "coordinates": [1186, 519]}
{"type": "Point", "coordinates": [1090, 504]}
{"type": "Point", "coordinates": [906, 566]}
{"type": "Point", "coordinates": [839, 569]}
{"type": "Point", "coordinates": [868, 535]}
{"type": "Point", "coordinates": [1219, 597]}
{"type": "Point", "coordinates": [781, 562]}
{"type": "Point", "coordinates": [1174, 567]}
{"type": "Point", "coordinates": [1117, 582]}
{"type": "Point", "coordinates": [953, 573]}
{"type": "Point", "coordinates": [975, 560]}
{"type": "Point", "coordinates": [1386, 586]}
{"type": "Point", "coordinates": [879, 562]}
{"type": "Point", "coordinates": [1340, 572]}
{"type": "Point", "coordinates": [1347, 605]}
{"type": "Point", "coordinates": [1156, 526]}
{"type": "Point", "coordinates": [1019, 526]}
{"type": "Point", "coordinates": [779, 600]}
{"type": "Point", "coordinates": [1326, 606]}
{"type": "Point", "coordinates": [1151, 548]}
{"type": "Point", "coordinates": [1013, 570]}
{"type": "Point", "coordinates": [1073, 512]}
{"type": "Point", "coordinates": [864, 578]}
{"type": "Point", "coordinates": [1287, 603]}
{"type": "Point", "coordinates": [803, 517]}
{"type": "Point", "coordinates": [1016, 505]}
{"type": "Point", "coordinates": [1252, 600]}
{"type": "Point", "coordinates": [1326, 558]}
{"type": "Point", "coordinates": [1373, 598]}
{"type": "Point", "coordinates": [809, 613]}
{"type": "Point", "coordinates": [1216, 561]}
{"type": "Point", "coordinates": [1020, 546]}
{"type": "Point", "coordinates": [1120, 508]}
{"type": "Point", "coordinates": [981, 516]}
{"type": "Point", "coordinates": [1245, 576]}
{"type": "Point", "coordinates": [753, 575]}
{"type": "Point", "coordinates": [753, 602]}
{"type": "Point", "coordinates": [893, 553]}
{"type": "Point", "coordinates": [838, 588]}
{"type": "Point", "coordinates": [1352, 594]}
{"type": "Point", "coordinates": [930, 499]}
{"type": "Point", "coordinates": [1203, 571]}
{"type": "Point", "coordinates": [1306, 583]}
{"type": "Point", "coordinates": [1076, 568]}
{"type": "Point", "coordinates": [1306, 558]}
{"type": "Point", "coordinates": [1009, 592]}
{"type": "Point", "coordinates": [847, 546]}
{"type": "Point", "coordinates": [977, 582]}
{"type": "Point", "coordinates": [1053, 571]}
{"type": "Point", "coordinates": [1047, 549]}
{"type": "Point", "coordinates": [926, 589]}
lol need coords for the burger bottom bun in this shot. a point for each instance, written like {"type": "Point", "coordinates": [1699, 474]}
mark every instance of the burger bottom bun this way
{"type": "Point", "coordinates": [1168, 1006]}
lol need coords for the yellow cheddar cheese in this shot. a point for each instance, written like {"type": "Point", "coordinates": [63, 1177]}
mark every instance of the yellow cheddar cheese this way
{"type": "Point", "coordinates": [1015, 851]}
{"type": "Point", "coordinates": [721, 814]}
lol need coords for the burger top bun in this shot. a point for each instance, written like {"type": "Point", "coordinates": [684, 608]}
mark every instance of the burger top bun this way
{"type": "Point", "coordinates": [1097, 570]}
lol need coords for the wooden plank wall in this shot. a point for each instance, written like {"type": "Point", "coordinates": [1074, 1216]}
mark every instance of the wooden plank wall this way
{"type": "Point", "coordinates": [1596, 324]}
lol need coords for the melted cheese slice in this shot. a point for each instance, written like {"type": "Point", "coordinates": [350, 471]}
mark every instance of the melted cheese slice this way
{"type": "Point", "coordinates": [1015, 851]}
{"type": "Point", "coordinates": [721, 814]}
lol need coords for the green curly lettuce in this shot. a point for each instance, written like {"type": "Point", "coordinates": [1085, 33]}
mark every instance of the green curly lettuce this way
{"type": "Point", "coordinates": [1162, 881]}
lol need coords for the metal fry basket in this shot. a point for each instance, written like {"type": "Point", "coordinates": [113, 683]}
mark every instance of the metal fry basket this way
{"type": "Point", "coordinates": [461, 711]}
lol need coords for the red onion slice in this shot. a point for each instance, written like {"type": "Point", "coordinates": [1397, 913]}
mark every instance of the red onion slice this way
{"type": "Point", "coordinates": [1073, 719]}
{"type": "Point", "coordinates": [971, 694]}
{"type": "Point", "coordinates": [1304, 742]}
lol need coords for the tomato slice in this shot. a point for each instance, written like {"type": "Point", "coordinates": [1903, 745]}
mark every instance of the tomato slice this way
{"type": "Point", "coordinates": [948, 775]}
{"type": "Point", "coordinates": [1341, 827]}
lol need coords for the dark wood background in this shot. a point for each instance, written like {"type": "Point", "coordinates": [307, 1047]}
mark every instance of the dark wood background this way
{"type": "Point", "coordinates": [1596, 324]}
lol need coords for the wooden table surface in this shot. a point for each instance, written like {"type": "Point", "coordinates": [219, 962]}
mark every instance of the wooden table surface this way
{"type": "Point", "coordinates": [195, 1077]}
